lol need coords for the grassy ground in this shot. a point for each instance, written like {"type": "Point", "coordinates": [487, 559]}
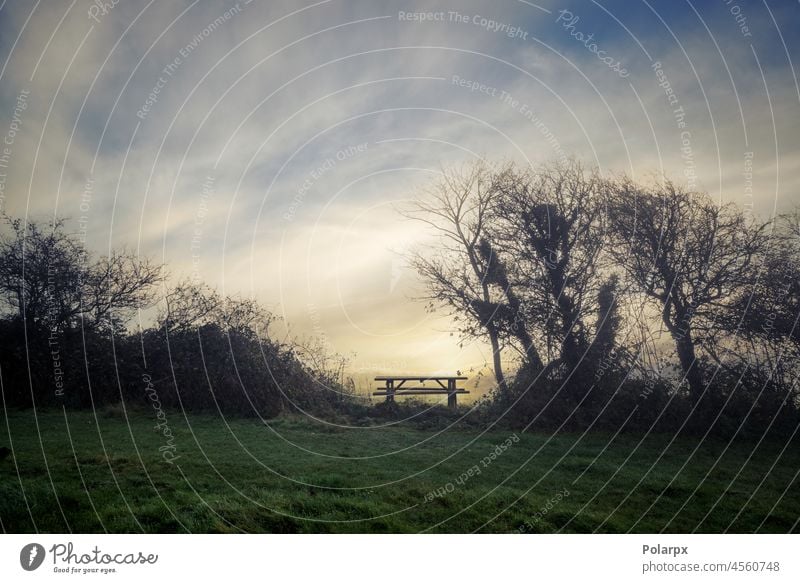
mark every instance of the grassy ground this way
{"type": "Point", "coordinates": [83, 472]}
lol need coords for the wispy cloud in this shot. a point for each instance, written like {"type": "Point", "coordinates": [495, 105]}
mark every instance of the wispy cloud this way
{"type": "Point", "coordinates": [313, 121]}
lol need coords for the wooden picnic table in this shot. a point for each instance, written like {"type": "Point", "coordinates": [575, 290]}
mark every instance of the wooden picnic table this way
{"type": "Point", "coordinates": [395, 386]}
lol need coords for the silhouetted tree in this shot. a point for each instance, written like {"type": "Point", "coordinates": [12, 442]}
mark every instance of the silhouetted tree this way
{"type": "Point", "coordinates": [48, 279]}
{"type": "Point", "coordinates": [763, 328]}
{"type": "Point", "coordinates": [508, 316]}
{"type": "Point", "coordinates": [61, 306]}
{"type": "Point", "coordinates": [459, 208]}
{"type": "Point", "coordinates": [551, 228]}
{"type": "Point", "coordinates": [688, 254]}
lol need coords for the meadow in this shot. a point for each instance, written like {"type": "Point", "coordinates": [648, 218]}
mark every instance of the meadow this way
{"type": "Point", "coordinates": [108, 471]}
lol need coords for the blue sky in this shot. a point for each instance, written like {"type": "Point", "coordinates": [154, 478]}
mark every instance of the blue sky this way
{"type": "Point", "coordinates": [315, 120]}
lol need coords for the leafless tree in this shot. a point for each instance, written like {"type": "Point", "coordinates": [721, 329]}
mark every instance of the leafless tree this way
{"type": "Point", "coordinates": [521, 260]}
{"type": "Point", "coordinates": [766, 315]}
{"type": "Point", "coordinates": [190, 305]}
{"type": "Point", "coordinates": [551, 229]}
{"type": "Point", "coordinates": [49, 279]}
{"type": "Point", "coordinates": [458, 208]}
{"type": "Point", "coordinates": [688, 254]}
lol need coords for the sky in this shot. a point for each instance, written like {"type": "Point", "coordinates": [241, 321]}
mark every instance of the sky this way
{"type": "Point", "coordinates": [265, 147]}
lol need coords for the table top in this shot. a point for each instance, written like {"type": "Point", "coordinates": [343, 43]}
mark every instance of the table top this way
{"type": "Point", "coordinates": [419, 378]}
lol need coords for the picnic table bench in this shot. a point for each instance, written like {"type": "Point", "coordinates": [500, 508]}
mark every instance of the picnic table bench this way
{"type": "Point", "coordinates": [395, 386]}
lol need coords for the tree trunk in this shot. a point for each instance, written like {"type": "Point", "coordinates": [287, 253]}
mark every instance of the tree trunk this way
{"type": "Point", "coordinates": [691, 369]}
{"type": "Point", "coordinates": [498, 366]}
{"type": "Point", "coordinates": [518, 329]}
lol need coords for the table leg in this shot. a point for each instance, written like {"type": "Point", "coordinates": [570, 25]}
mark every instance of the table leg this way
{"type": "Point", "coordinates": [451, 393]}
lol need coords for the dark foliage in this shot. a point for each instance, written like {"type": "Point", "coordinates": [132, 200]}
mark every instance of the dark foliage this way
{"type": "Point", "coordinates": [64, 339]}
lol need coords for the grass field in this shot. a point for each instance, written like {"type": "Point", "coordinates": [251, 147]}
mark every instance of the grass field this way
{"type": "Point", "coordinates": [83, 472]}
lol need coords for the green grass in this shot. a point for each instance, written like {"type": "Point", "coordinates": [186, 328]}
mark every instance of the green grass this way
{"type": "Point", "coordinates": [83, 472]}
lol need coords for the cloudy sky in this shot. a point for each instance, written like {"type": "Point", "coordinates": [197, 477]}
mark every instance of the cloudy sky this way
{"type": "Point", "coordinates": [264, 146]}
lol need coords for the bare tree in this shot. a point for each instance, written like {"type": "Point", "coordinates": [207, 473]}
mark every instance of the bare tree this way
{"type": "Point", "coordinates": [49, 279]}
{"type": "Point", "coordinates": [551, 228]}
{"type": "Point", "coordinates": [689, 255]}
{"type": "Point", "coordinates": [189, 305]}
{"type": "Point", "coordinates": [765, 319]}
{"type": "Point", "coordinates": [458, 208]}
{"type": "Point", "coordinates": [511, 315]}
{"type": "Point", "coordinates": [521, 260]}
